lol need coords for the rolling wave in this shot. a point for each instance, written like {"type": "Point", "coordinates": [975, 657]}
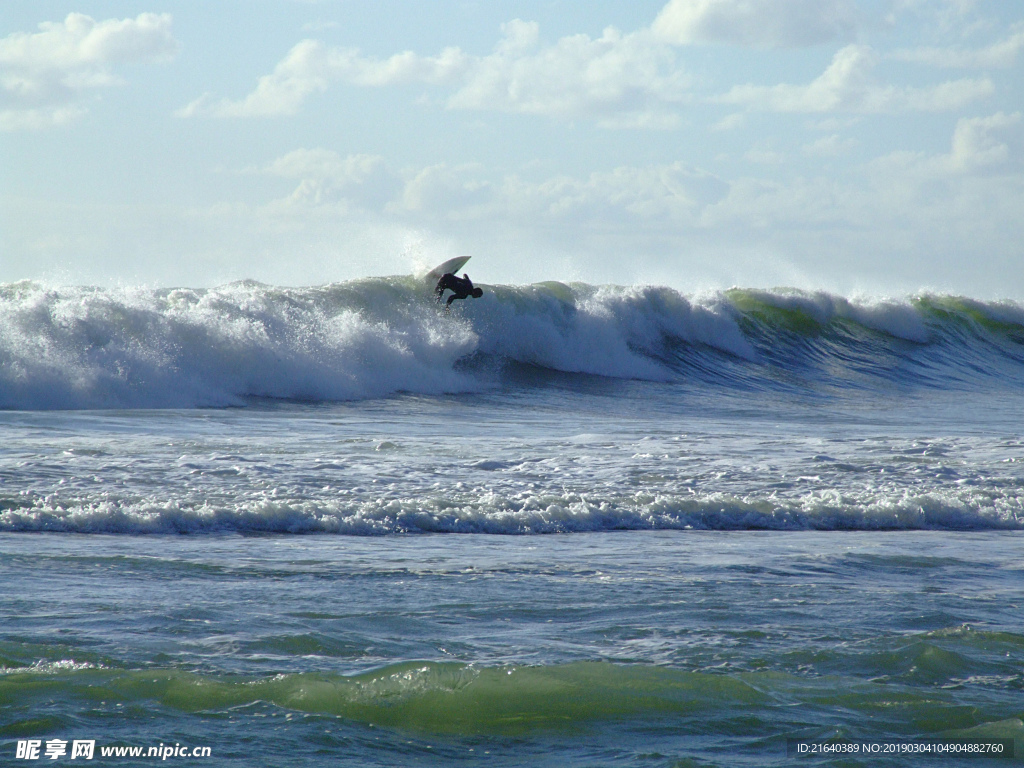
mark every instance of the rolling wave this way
{"type": "Point", "coordinates": [458, 699]}
{"type": "Point", "coordinates": [88, 347]}
{"type": "Point", "coordinates": [514, 513]}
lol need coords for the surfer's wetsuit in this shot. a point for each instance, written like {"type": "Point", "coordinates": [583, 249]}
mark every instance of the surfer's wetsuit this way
{"type": "Point", "coordinates": [461, 288]}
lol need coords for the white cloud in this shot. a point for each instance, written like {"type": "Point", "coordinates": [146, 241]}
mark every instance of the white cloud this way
{"type": "Point", "coordinates": [442, 192]}
{"type": "Point", "coordinates": [763, 204]}
{"type": "Point", "coordinates": [987, 142]}
{"type": "Point", "coordinates": [829, 146]}
{"type": "Point", "coordinates": [877, 221]}
{"type": "Point", "coordinates": [447, 192]}
{"type": "Point", "coordinates": [44, 74]}
{"type": "Point", "coordinates": [730, 122]}
{"type": "Point", "coordinates": [37, 119]}
{"type": "Point", "coordinates": [847, 85]}
{"type": "Point", "coordinates": [980, 146]}
{"type": "Point", "coordinates": [762, 154]}
{"type": "Point", "coordinates": [999, 55]}
{"type": "Point", "coordinates": [949, 221]}
{"type": "Point", "coordinates": [311, 66]}
{"type": "Point", "coordinates": [622, 80]}
{"type": "Point", "coordinates": [671, 192]}
{"type": "Point", "coordinates": [362, 180]}
{"type": "Point", "coordinates": [757, 23]}
{"type": "Point", "coordinates": [947, 17]}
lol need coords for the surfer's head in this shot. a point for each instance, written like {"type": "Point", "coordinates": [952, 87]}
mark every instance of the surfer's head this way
{"type": "Point", "coordinates": [477, 293]}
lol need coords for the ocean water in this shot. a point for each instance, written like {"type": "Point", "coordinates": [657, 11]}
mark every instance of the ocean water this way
{"type": "Point", "coordinates": [561, 525]}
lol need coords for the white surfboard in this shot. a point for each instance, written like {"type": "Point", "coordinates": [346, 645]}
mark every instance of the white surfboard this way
{"type": "Point", "coordinates": [452, 265]}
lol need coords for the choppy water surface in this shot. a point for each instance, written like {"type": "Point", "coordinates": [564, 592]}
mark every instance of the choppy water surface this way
{"type": "Point", "coordinates": [581, 649]}
{"type": "Point", "coordinates": [612, 455]}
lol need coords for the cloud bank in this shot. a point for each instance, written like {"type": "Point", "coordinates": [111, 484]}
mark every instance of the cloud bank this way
{"type": "Point", "coordinates": [756, 23]}
{"type": "Point", "coordinates": [618, 79]}
{"type": "Point", "coordinates": [44, 76]}
{"type": "Point", "coordinates": [999, 55]}
{"type": "Point", "coordinates": [629, 80]}
{"type": "Point", "coordinates": [847, 85]}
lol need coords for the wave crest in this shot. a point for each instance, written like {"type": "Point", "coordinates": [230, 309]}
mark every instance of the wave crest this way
{"type": "Point", "coordinates": [87, 347]}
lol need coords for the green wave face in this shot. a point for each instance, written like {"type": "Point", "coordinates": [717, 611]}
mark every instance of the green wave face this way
{"type": "Point", "coordinates": [997, 318]}
{"type": "Point", "coordinates": [464, 700]}
{"type": "Point", "coordinates": [757, 306]}
{"type": "Point", "coordinates": [442, 698]}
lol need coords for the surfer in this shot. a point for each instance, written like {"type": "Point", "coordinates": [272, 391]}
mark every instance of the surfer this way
{"type": "Point", "coordinates": [461, 288]}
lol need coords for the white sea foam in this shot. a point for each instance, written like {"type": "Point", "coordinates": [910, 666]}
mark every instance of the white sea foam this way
{"type": "Point", "coordinates": [89, 348]}
{"type": "Point", "coordinates": [526, 512]}
{"type": "Point", "coordinates": [83, 347]}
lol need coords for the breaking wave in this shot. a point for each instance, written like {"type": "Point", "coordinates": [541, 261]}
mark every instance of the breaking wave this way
{"type": "Point", "coordinates": [87, 347]}
{"type": "Point", "coordinates": [515, 513]}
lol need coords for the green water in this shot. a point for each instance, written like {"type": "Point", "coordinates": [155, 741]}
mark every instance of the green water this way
{"type": "Point", "coordinates": [661, 649]}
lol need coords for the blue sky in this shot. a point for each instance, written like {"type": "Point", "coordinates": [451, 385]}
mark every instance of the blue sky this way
{"type": "Point", "coordinates": [860, 147]}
